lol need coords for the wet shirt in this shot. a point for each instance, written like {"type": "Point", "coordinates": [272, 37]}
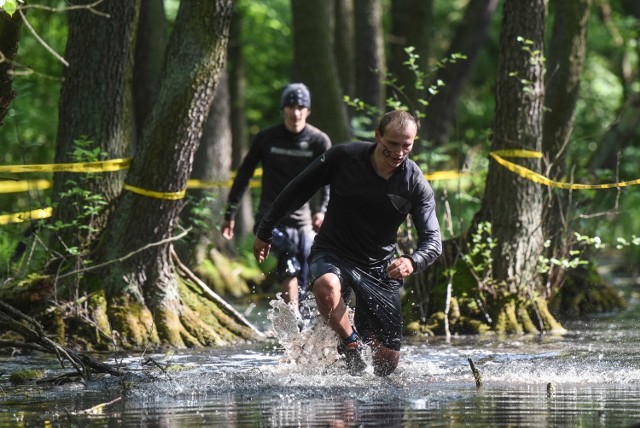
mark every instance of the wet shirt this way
{"type": "Point", "coordinates": [283, 155]}
{"type": "Point", "coordinates": [365, 210]}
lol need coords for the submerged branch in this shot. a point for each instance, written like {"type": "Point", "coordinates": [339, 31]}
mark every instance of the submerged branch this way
{"type": "Point", "coordinates": [476, 373]}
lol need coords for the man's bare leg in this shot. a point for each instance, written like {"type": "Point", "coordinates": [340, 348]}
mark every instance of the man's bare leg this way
{"type": "Point", "coordinates": [290, 294]}
{"type": "Point", "coordinates": [385, 360]}
{"type": "Point", "coordinates": [328, 292]}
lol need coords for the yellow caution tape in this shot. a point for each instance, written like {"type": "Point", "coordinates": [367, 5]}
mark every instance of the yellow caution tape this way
{"type": "Point", "coordinates": [517, 153]}
{"type": "Point", "coordinates": [444, 175]}
{"type": "Point", "coordinates": [204, 184]}
{"type": "Point", "coordinates": [541, 179]}
{"type": "Point", "coordinates": [171, 196]}
{"type": "Point", "coordinates": [27, 215]}
{"type": "Point", "coordinates": [24, 185]}
{"type": "Point", "coordinates": [100, 166]}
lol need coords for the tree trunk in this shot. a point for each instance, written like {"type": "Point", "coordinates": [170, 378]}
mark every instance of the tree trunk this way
{"type": "Point", "coordinates": [95, 106]}
{"type": "Point", "coordinates": [411, 26]}
{"type": "Point", "coordinates": [370, 63]}
{"type": "Point", "coordinates": [511, 204]}
{"type": "Point", "coordinates": [468, 40]}
{"type": "Point", "coordinates": [146, 302]}
{"type": "Point", "coordinates": [314, 65]}
{"type": "Point", "coordinates": [564, 69]}
{"type": "Point", "coordinates": [151, 44]}
{"type": "Point", "coordinates": [212, 163]}
{"type": "Point", "coordinates": [9, 38]}
{"type": "Point", "coordinates": [344, 44]}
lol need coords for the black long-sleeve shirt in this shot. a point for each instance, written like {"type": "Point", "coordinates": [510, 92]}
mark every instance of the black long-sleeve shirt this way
{"type": "Point", "coordinates": [283, 155]}
{"type": "Point", "coordinates": [365, 210]}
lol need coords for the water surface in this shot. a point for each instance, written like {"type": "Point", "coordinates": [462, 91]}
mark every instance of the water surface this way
{"type": "Point", "coordinates": [593, 373]}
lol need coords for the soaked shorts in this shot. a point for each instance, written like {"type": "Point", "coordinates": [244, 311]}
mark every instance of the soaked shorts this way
{"type": "Point", "coordinates": [377, 310]}
{"type": "Point", "coordinates": [291, 246]}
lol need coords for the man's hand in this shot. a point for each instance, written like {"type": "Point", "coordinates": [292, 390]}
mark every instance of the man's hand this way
{"type": "Point", "coordinates": [261, 250]}
{"type": "Point", "coordinates": [227, 229]}
{"type": "Point", "coordinates": [318, 218]}
{"type": "Point", "coordinates": [400, 268]}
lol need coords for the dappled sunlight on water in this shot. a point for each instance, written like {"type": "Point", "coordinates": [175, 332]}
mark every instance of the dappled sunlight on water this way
{"type": "Point", "coordinates": [587, 377]}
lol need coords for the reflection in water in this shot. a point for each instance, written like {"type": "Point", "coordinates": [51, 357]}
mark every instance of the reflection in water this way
{"type": "Point", "coordinates": [296, 380]}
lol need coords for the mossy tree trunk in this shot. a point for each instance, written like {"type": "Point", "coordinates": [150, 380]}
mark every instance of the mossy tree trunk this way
{"type": "Point", "coordinates": [145, 301]}
{"type": "Point", "coordinates": [497, 284]}
{"type": "Point", "coordinates": [512, 204]}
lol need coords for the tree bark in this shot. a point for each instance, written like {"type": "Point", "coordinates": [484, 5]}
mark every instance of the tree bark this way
{"type": "Point", "coordinates": [95, 105]}
{"type": "Point", "coordinates": [146, 302]}
{"type": "Point", "coordinates": [511, 204]}
{"type": "Point", "coordinates": [212, 163]}
{"type": "Point", "coordinates": [314, 65]}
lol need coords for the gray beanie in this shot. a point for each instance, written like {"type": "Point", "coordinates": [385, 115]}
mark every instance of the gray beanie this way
{"type": "Point", "coordinates": [295, 94]}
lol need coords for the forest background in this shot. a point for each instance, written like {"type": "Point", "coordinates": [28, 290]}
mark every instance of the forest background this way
{"type": "Point", "coordinates": [182, 89]}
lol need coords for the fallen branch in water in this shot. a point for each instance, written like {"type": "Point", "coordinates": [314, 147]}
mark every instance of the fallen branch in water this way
{"type": "Point", "coordinates": [97, 409]}
{"type": "Point", "coordinates": [36, 339]}
{"type": "Point", "coordinates": [476, 373]}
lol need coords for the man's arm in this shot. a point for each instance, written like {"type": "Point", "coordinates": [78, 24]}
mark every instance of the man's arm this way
{"type": "Point", "coordinates": [424, 218]}
{"type": "Point", "coordinates": [323, 200]}
{"type": "Point", "coordinates": [239, 186]}
{"type": "Point", "coordinates": [241, 181]}
{"type": "Point", "coordinates": [294, 195]}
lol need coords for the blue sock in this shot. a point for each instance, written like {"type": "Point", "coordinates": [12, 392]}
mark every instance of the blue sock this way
{"type": "Point", "coordinates": [352, 338]}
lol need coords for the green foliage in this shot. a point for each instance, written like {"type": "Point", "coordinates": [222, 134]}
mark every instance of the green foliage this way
{"type": "Point", "coordinates": [10, 6]}
{"type": "Point", "coordinates": [86, 204]}
{"type": "Point", "coordinates": [267, 49]}
{"type": "Point", "coordinates": [29, 130]}
{"type": "Point", "coordinates": [479, 257]}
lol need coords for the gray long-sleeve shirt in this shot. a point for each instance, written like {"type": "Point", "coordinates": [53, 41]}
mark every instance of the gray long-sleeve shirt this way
{"type": "Point", "coordinates": [365, 210]}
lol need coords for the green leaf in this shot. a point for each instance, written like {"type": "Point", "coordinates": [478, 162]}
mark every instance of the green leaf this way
{"type": "Point", "coordinates": [9, 6]}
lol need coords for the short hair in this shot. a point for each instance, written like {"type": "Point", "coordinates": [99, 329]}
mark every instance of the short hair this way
{"type": "Point", "coordinates": [400, 118]}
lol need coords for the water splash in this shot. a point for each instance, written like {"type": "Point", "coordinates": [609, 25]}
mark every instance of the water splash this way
{"type": "Point", "coordinates": [309, 344]}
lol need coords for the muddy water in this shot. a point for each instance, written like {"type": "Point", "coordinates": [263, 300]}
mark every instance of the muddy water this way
{"type": "Point", "coordinates": [587, 377]}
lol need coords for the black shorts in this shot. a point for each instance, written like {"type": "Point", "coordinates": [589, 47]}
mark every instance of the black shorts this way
{"type": "Point", "coordinates": [378, 312]}
{"type": "Point", "coordinates": [292, 251]}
